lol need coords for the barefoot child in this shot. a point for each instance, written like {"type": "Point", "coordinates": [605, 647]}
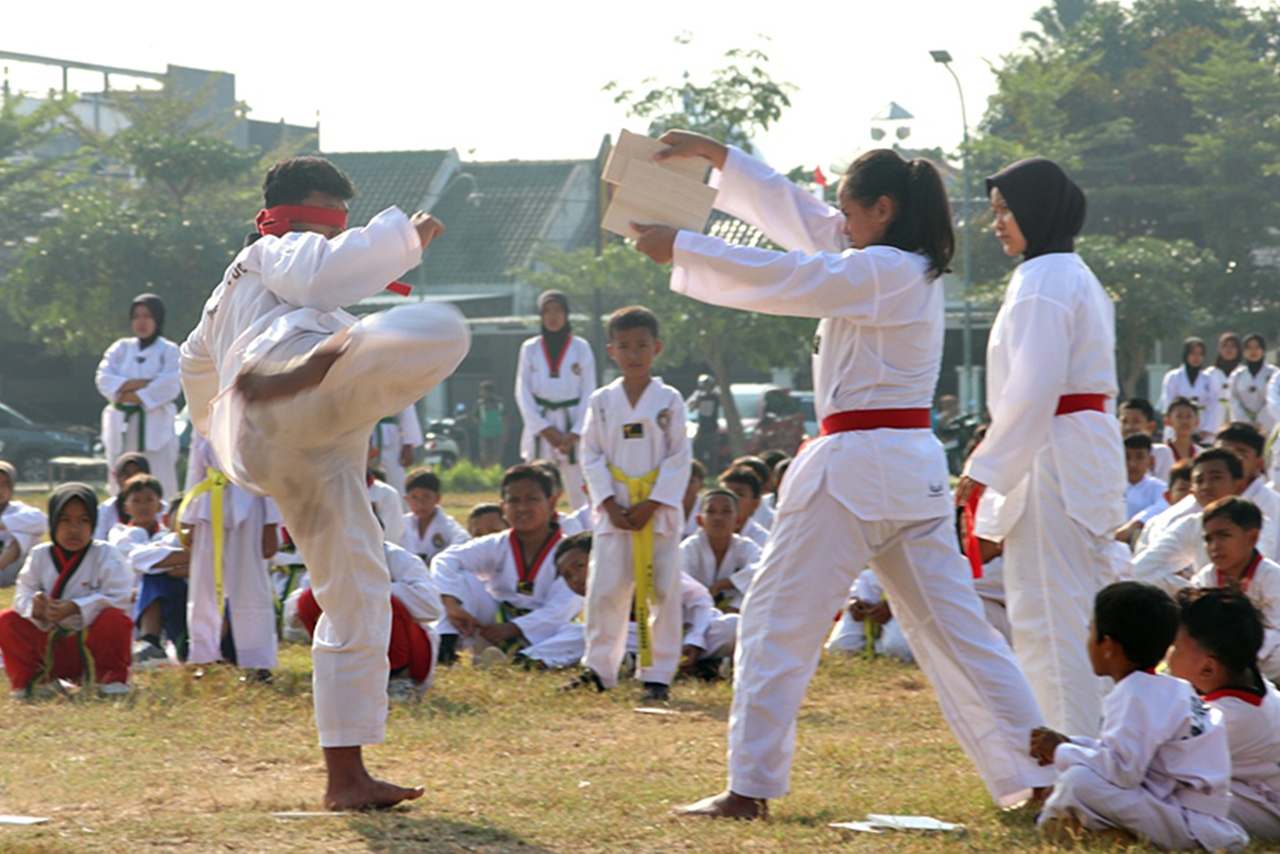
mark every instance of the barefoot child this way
{"type": "Point", "coordinates": [1161, 767]}
{"type": "Point", "coordinates": [428, 529]}
{"type": "Point", "coordinates": [717, 558]}
{"type": "Point", "coordinates": [636, 458]}
{"type": "Point", "coordinates": [77, 589]}
{"type": "Point", "coordinates": [21, 527]}
{"type": "Point", "coordinates": [288, 387]}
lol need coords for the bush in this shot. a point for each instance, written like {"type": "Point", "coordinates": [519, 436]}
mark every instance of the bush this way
{"type": "Point", "coordinates": [466, 476]}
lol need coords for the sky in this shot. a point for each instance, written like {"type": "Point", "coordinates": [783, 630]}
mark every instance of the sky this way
{"type": "Point", "coordinates": [506, 80]}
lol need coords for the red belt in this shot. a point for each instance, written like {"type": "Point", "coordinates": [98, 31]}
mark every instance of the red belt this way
{"type": "Point", "coordinates": [1071, 403]}
{"type": "Point", "coordinates": [876, 419]}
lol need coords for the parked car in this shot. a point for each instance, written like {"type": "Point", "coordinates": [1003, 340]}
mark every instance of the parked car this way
{"type": "Point", "coordinates": [772, 417]}
{"type": "Point", "coordinates": [30, 445]}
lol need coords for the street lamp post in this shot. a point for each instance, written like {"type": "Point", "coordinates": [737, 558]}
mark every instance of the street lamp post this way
{"type": "Point", "coordinates": [970, 402]}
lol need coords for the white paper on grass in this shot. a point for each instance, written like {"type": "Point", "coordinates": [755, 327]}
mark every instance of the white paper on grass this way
{"type": "Point", "coordinates": [22, 819]}
{"type": "Point", "coordinates": [634, 146]}
{"type": "Point", "coordinates": [651, 195]}
{"type": "Point", "coordinates": [859, 826]}
{"type": "Point", "coordinates": [913, 822]}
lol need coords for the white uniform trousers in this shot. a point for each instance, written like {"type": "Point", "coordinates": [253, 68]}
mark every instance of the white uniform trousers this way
{"type": "Point", "coordinates": [1256, 811]}
{"type": "Point", "coordinates": [610, 584]}
{"type": "Point", "coordinates": [1053, 569]}
{"type": "Point", "coordinates": [722, 636]}
{"type": "Point", "coordinates": [812, 559]}
{"type": "Point", "coordinates": [478, 602]}
{"type": "Point", "coordinates": [565, 647]}
{"type": "Point", "coordinates": [309, 453]}
{"type": "Point", "coordinates": [246, 588]}
{"type": "Point", "coordinates": [1098, 805]}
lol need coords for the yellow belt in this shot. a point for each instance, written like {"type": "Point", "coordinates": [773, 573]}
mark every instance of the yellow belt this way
{"type": "Point", "coordinates": [214, 483]}
{"type": "Point", "coordinates": [638, 489]}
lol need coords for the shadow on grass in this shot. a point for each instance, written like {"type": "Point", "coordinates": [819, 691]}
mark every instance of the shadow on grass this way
{"type": "Point", "coordinates": [395, 831]}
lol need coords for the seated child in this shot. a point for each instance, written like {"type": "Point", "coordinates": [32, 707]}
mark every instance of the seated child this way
{"type": "Point", "coordinates": [387, 505]}
{"type": "Point", "coordinates": [415, 606]}
{"type": "Point", "coordinates": [1161, 768]}
{"type": "Point", "coordinates": [1138, 416]}
{"type": "Point", "coordinates": [778, 465]}
{"type": "Point", "coordinates": [1249, 445]}
{"type": "Point", "coordinates": [743, 482]}
{"type": "Point", "coordinates": [1231, 529]}
{"type": "Point", "coordinates": [1144, 490]}
{"type": "Point", "coordinates": [763, 515]}
{"type": "Point", "coordinates": [428, 529]}
{"type": "Point", "coordinates": [573, 522]}
{"type": "Point", "coordinates": [1182, 423]}
{"type": "Point", "coordinates": [716, 557]}
{"type": "Point", "coordinates": [501, 590]}
{"type": "Point", "coordinates": [869, 617]}
{"type": "Point", "coordinates": [485, 519]}
{"type": "Point", "coordinates": [1178, 502]}
{"type": "Point", "coordinates": [74, 591]}
{"type": "Point", "coordinates": [1216, 650]}
{"type": "Point", "coordinates": [21, 527]}
{"type": "Point", "coordinates": [160, 563]}
{"type": "Point", "coordinates": [127, 465]}
{"type": "Point", "coordinates": [691, 503]}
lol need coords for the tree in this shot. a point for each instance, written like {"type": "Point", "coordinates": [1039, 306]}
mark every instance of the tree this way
{"type": "Point", "coordinates": [739, 100]}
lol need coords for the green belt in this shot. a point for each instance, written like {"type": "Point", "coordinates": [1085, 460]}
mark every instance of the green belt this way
{"type": "Point", "coordinates": [131, 410]}
{"type": "Point", "coordinates": [552, 406]}
{"type": "Point", "coordinates": [508, 613]}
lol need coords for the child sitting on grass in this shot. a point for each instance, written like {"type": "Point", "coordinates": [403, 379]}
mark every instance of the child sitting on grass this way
{"type": "Point", "coordinates": [428, 529]}
{"type": "Point", "coordinates": [21, 527]}
{"type": "Point", "coordinates": [1216, 650]}
{"type": "Point", "coordinates": [68, 618]}
{"type": "Point", "coordinates": [1161, 768]}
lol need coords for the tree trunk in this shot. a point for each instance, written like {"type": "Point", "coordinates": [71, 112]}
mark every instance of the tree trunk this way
{"type": "Point", "coordinates": [733, 419]}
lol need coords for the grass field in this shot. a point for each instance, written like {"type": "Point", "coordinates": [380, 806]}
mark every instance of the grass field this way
{"type": "Point", "coordinates": [509, 765]}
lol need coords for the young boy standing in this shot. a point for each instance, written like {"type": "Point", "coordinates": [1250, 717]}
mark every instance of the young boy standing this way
{"type": "Point", "coordinates": [1216, 650]}
{"type": "Point", "coordinates": [428, 530]}
{"type": "Point", "coordinates": [1161, 767]}
{"type": "Point", "coordinates": [636, 459]}
{"type": "Point", "coordinates": [288, 386]}
{"type": "Point", "coordinates": [716, 557]}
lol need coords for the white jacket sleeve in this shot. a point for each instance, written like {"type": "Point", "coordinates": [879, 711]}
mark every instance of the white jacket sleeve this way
{"type": "Point", "coordinates": [25, 590]}
{"type": "Point", "coordinates": [166, 385]}
{"type": "Point", "coordinates": [741, 578]}
{"type": "Point", "coordinates": [1123, 752]}
{"type": "Point", "coordinates": [699, 610]}
{"type": "Point", "coordinates": [868, 287]}
{"type": "Point", "coordinates": [1039, 341]}
{"type": "Point", "coordinates": [108, 377]}
{"type": "Point", "coordinates": [529, 409]}
{"type": "Point", "coordinates": [411, 583]}
{"type": "Point", "coordinates": [199, 376]}
{"type": "Point", "coordinates": [480, 558]}
{"type": "Point", "coordinates": [116, 589]}
{"type": "Point", "coordinates": [306, 270]}
{"type": "Point", "coordinates": [1168, 555]}
{"type": "Point", "coordinates": [789, 216]}
{"type": "Point", "coordinates": [595, 463]}
{"type": "Point", "coordinates": [673, 473]}
{"type": "Point", "coordinates": [561, 607]}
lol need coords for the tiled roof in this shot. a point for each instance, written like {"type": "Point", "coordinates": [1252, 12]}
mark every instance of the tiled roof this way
{"type": "Point", "coordinates": [733, 230]}
{"type": "Point", "coordinates": [385, 178]}
{"type": "Point", "coordinates": [497, 214]}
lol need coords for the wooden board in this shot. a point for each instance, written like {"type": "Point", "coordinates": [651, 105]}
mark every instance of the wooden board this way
{"type": "Point", "coordinates": [651, 195]}
{"type": "Point", "coordinates": [634, 147]}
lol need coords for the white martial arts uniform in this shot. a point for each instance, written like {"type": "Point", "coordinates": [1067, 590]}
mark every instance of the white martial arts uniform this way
{"type": "Point", "coordinates": [1157, 524]}
{"type": "Point", "coordinates": [1268, 500]}
{"type": "Point", "coordinates": [755, 532]}
{"type": "Point", "coordinates": [646, 439]}
{"type": "Point", "coordinates": [442, 532]}
{"type": "Point", "coordinates": [390, 436]}
{"type": "Point", "coordinates": [389, 508]}
{"type": "Point", "coordinates": [485, 574]}
{"type": "Point", "coordinates": [704, 626]}
{"type": "Point", "coordinates": [1143, 495]}
{"type": "Point", "coordinates": [1205, 392]}
{"type": "Point", "coordinates": [990, 589]}
{"type": "Point", "coordinates": [1062, 477]}
{"type": "Point", "coordinates": [124, 361]}
{"type": "Point", "coordinates": [279, 300]}
{"type": "Point", "coordinates": [1160, 769]}
{"type": "Point", "coordinates": [555, 395]}
{"type": "Point", "coordinates": [1262, 586]}
{"type": "Point", "coordinates": [22, 524]}
{"type": "Point", "coordinates": [1253, 733]}
{"type": "Point", "coordinates": [875, 497]}
{"type": "Point", "coordinates": [1168, 559]}
{"type": "Point", "coordinates": [1247, 393]}
{"type": "Point", "coordinates": [582, 519]}
{"type": "Point", "coordinates": [109, 516]}
{"type": "Point", "coordinates": [739, 564]}
{"type": "Point", "coordinates": [246, 573]}
{"type": "Point", "coordinates": [764, 513]}
{"type": "Point", "coordinates": [102, 581]}
{"type": "Point", "coordinates": [1162, 461]}
{"type": "Point", "coordinates": [850, 635]}
{"type": "Point", "coordinates": [1273, 412]}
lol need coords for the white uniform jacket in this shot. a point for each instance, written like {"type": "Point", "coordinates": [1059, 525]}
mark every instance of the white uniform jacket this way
{"type": "Point", "coordinates": [101, 581]}
{"type": "Point", "coordinates": [545, 389]}
{"type": "Point", "coordinates": [124, 361]}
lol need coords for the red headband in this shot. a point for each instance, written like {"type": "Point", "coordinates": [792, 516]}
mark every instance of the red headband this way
{"type": "Point", "coordinates": [278, 221]}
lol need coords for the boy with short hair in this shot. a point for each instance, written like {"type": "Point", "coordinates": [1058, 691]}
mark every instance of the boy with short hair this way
{"type": "Point", "coordinates": [762, 515]}
{"type": "Point", "coordinates": [71, 599]}
{"type": "Point", "coordinates": [1220, 633]}
{"type": "Point", "coordinates": [21, 527]}
{"type": "Point", "coordinates": [1183, 420]}
{"type": "Point", "coordinates": [428, 529]}
{"type": "Point", "coordinates": [1146, 526]}
{"type": "Point", "coordinates": [484, 519]}
{"type": "Point", "coordinates": [1144, 491]}
{"type": "Point", "coordinates": [716, 557]}
{"type": "Point", "coordinates": [636, 459]}
{"type": "Point", "coordinates": [1161, 767]}
{"type": "Point", "coordinates": [1138, 416]}
{"type": "Point", "coordinates": [1244, 440]}
{"type": "Point", "coordinates": [1231, 529]}
{"type": "Point", "coordinates": [127, 465]}
{"type": "Point", "coordinates": [502, 589]}
{"type": "Point", "coordinates": [744, 482]}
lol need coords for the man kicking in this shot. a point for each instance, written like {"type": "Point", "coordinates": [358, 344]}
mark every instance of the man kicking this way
{"type": "Point", "coordinates": [287, 387]}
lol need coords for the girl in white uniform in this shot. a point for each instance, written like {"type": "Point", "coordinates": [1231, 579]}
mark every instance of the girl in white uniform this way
{"type": "Point", "coordinates": [1247, 386]}
{"type": "Point", "coordinates": [287, 387]}
{"type": "Point", "coordinates": [139, 378]}
{"type": "Point", "coordinates": [873, 488]}
{"type": "Point", "coordinates": [1052, 457]}
{"type": "Point", "coordinates": [1199, 384]}
{"type": "Point", "coordinates": [555, 375]}
{"type": "Point", "coordinates": [21, 527]}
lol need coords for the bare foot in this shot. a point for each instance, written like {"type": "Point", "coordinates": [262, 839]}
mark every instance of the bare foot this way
{"type": "Point", "coordinates": [262, 386]}
{"type": "Point", "coordinates": [727, 805]}
{"type": "Point", "coordinates": [368, 794]}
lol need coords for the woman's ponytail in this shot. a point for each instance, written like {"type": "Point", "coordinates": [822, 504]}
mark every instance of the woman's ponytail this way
{"type": "Point", "coordinates": [923, 220]}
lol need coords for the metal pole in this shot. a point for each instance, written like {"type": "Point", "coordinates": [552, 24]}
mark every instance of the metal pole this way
{"type": "Point", "coordinates": [966, 213]}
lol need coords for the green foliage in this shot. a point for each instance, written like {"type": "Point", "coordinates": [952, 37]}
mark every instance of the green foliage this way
{"type": "Point", "coordinates": [466, 476]}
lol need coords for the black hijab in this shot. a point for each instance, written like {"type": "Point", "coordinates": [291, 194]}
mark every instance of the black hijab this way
{"type": "Point", "coordinates": [1048, 205]}
{"type": "Point", "coordinates": [156, 306]}
{"type": "Point", "coordinates": [1254, 367]}
{"type": "Point", "coordinates": [555, 342]}
{"type": "Point", "coordinates": [65, 493]}
{"type": "Point", "coordinates": [1192, 372]}
{"type": "Point", "coordinates": [1221, 362]}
